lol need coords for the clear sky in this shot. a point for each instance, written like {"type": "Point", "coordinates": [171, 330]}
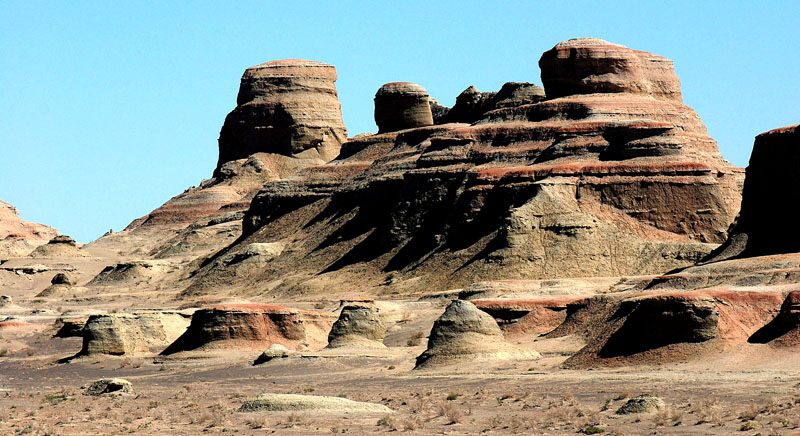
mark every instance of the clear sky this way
{"type": "Point", "coordinates": [108, 109]}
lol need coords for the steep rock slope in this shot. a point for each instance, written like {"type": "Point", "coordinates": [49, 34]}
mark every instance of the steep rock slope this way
{"type": "Point", "coordinates": [609, 175]}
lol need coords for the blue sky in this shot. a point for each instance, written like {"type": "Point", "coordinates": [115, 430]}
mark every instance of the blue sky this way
{"type": "Point", "coordinates": [109, 109]}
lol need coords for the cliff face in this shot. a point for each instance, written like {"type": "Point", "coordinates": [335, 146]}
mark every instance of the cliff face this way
{"type": "Point", "coordinates": [609, 175]}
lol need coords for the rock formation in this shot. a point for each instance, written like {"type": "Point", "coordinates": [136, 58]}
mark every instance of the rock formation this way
{"type": "Point", "coordinates": [61, 284]}
{"type": "Point", "coordinates": [131, 333]}
{"type": "Point", "coordinates": [585, 184]}
{"type": "Point", "coordinates": [657, 321]}
{"type": "Point", "coordinates": [357, 326]}
{"type": "Point", "coordinates": [254, 326]}
{"type": "Point", "coordinates": [284, 107]}
{"type": "Point", "coordinates": [591, 65]}
{"type": "Point", "coordinates": [402, 105]}
{"type": "Point", "coordinates": [471, 105]}
{"type": "Point", "coordinates": [767, 199]}
{"type": "Point", "coordinates": [275, 351]}
{"type": "Point", "coordinates": [465, 332]}
{"type": "Point", "coordinates": [117, 386]}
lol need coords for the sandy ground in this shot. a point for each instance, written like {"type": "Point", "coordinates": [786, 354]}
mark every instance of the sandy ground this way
{"type": "Point", "coordinates": [190, 394]}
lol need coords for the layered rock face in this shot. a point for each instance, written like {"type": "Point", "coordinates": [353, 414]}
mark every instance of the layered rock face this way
{"type": "Point", "coordinates": [595, 180]}
{"type": "Point", "coordinates": [254, 326]}
{"type": "Point", "coordinates": [288, 117]}
{"type": "Point", "coordinates": [286, 107]}
{"type": "Point", "coordinates": [768, 199]}
{"type": "Point", "coordinates": [357, 326]}
{"type": "Point", "coordinates": [465, 332]}
{"type": "Point", "coordinates": [591, 65]}
{"type": "Point", "coordinates": [131, 334]}
{"type": "Point", "coordinates": [402, 105]}
{"type": "Point", "coordinates": [471, 105]}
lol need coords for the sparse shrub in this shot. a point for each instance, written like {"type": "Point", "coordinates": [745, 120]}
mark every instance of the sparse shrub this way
{"type": "Point", "coordinates": [390, 422]}
{"type": "Point", "coordinates": [452, 396]}
{"type": "Point", "coordinates": [453, 414]}
{"type": "Point", "coordinates": [593, 429]}
{"type": "Point", "coordinates": [256, 422]}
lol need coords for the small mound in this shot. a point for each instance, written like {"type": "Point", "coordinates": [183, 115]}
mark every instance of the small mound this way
{"type": "Point", "coordinates": [641, 404]}
{"type": "Point", "coordinates": [125, 272]}
{"type": "Point", "coordinates": [464, 332]}
{"type": "Point", "coordinates": [61, 284]}
{"type": "Point", "coordinates": [292, 402]}
{"type": "Point", "coordinates": [357, 326]}
{"type": "Point", "coordinates": [275, 351]}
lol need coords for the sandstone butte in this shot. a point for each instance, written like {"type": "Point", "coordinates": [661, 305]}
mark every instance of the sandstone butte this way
{"type": "Point", "coordinates": [602, 172]}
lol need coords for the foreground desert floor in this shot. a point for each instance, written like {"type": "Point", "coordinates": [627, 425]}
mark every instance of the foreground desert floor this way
{"type": "Point", "coordinates": [189, 394]}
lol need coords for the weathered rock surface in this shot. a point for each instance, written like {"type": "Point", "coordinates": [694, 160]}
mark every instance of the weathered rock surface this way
{"type": "Point", "coordinates": [125, 272]}
{"type": "Point", "coordinates": [117, 386]}
{"type": "Point", "coordinates": [533, 316]}
{"type": "Point", "coordinates": [286, 107]}
{"type": "Point", "coordinates": [131, 333]}
{"type": "Point", "coordinates": [766, 217]}
{"type": "Point", "coordinates": [358, 326]}
{"type": "Point", "coordinates": [598, 184]}
{"type": "Point", "coordinates": [591, 65]}
{"type": "Point", "coordinates": [70, 327]}
{"type": "Point", "coordinates": [254, 326]}
{"type": "Point", "coordinates": [19, 237]}
{"type": "Point", "coordinates": [465, 332]}
{"type": "Point", "coordinates": [402, 105]}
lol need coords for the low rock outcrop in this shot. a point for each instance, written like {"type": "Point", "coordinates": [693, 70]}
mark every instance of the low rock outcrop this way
{"type": "Point", "coordinates": [663, 326]}
{"type": "Point", "coordinates": [471, 105]}
{"type": "Point", "coordinates": [358, 326]}
{"type": "Point", "coordinates": [275, 351]}
{"type": "Point", "coordinates": [402, 105]}
{"type": "Point", "coordinates": [125, 272]}
{"type": "Point", "coordinates": [465, 332]}
{"type": "Point", "coordinates": [286, 107]}
{"type": "Point", "coordinates": [131, 333]}
{"type": "Point", "coordinates": [254, 326]}
{"type": "Point", "coordinates": [767, 199]}
{"type": "Point", "coordinates": [642, 404]}
{"type": "Point", "coordinates": [117, 386]}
